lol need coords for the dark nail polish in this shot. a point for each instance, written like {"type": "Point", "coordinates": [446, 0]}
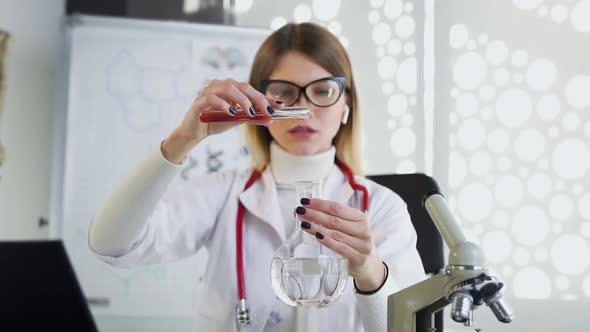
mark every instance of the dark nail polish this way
{"type": "Point", "coordinates": [252, 110]}
{"type": "Point", "coordinates": [319, 235]}
{"type": "Point", "coordinates": [300, 210]}
{"type": "Point", "coordinates": [270, 110]}
{"type": "Point", "coordinates": [305, 201]}
{"type": "Point", "coordinates": [305, 224]}
{"type": "Point", "coordinates": [233, 110]}
{"type": "Point", "coordinates": [279, 102]}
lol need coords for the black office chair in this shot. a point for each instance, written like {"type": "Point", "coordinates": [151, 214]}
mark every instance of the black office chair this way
{"type": "Point", "coordinates": [39, 290]}
{"type": "Point", "coordinates": [412, 188]}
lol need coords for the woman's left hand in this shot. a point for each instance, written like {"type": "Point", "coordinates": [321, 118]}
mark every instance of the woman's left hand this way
{"type": "Point", "coordinates": [346, 231]}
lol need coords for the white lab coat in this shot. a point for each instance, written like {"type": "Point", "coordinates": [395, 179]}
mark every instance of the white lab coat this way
{"type": "Point", "coordinates": [202, 212]}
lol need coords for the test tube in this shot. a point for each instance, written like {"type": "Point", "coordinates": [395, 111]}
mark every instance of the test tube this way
{"type": "Point", "coordinates": [292, 112]}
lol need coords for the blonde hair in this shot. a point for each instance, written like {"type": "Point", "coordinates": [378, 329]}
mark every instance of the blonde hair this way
{"type": "Point", "coordinates": [323, 47]}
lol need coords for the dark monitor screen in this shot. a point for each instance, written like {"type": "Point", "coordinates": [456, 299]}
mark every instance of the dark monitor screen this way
{"type": "Point", "coordinates": [39, 289]}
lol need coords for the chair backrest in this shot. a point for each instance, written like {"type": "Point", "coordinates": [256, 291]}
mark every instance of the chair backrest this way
{"type": "Point", "coordinates": [413, 188]}
{"type": "Point", "coordinates": [39, 289]}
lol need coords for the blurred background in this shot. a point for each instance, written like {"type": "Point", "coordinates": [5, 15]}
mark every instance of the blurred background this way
{"type": "Point", "coordinates": [491, 98]}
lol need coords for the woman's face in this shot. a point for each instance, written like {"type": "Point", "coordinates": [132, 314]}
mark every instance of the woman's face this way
{"type": "Point", "coordinates": [315, 134]}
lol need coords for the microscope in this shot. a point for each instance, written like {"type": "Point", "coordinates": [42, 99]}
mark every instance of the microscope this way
{"type": "Point", "coordinates": [464, 282]}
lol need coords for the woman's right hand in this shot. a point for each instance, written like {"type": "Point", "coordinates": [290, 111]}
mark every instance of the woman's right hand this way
{"type": "Point", "coordinates": [217, 96]}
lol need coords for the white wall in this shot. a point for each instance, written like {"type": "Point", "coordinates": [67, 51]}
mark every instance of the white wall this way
{"type": "Point", "coordinates": [27, 124]}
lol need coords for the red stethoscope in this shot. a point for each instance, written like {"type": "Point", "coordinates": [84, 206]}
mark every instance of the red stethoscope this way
{"type": "Point", "coordinates": [242, 312]}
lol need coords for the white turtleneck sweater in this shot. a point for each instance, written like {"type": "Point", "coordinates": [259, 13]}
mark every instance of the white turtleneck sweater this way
{"type": "Point", "coordinates": [116, 236]}
{"type": "Point", "coordinates": [288, 168]}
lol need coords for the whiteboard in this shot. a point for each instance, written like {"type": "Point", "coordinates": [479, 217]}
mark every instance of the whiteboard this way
{"type": "Point", "coordinates": [129, 83]}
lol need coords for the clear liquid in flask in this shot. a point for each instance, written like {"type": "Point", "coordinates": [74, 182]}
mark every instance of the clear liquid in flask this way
{"type": "Point", "coordinates": [315, 282]}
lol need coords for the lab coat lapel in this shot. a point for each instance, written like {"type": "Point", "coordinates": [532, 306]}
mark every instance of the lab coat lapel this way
{"type": "Point", "coordinates": [261, 198]}
{"type": "Point", "coordinates": [336, 187]}
{"type": "Point", "coordinates": [262, 201]}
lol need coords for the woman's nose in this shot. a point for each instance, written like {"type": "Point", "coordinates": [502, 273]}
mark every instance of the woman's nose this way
{"type": "Point", "coordinates": [301, 101]}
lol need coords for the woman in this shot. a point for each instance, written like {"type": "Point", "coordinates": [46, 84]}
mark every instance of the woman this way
{"type": "Point", "coordinates": [143, 221]}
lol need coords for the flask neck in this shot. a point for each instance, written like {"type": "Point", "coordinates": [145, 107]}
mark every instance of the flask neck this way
{"type": "Point", "coordinates": [306, 189]}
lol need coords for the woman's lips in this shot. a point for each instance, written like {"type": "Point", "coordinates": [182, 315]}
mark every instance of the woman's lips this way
{"type": "Point", "coordinates": [302, 131]}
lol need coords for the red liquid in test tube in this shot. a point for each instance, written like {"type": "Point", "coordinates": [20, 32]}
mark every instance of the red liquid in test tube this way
{"type": "Point", "coordinates": [242, 116]}
{"type": "Point", "coordinates": [293, 112]}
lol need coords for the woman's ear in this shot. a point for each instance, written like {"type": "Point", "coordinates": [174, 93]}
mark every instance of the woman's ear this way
{"type": "Point", "coordinates": [345, 115]}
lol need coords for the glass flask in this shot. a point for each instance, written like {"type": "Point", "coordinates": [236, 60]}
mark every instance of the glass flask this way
{"type": "Point", "coordinates": [303, 272]}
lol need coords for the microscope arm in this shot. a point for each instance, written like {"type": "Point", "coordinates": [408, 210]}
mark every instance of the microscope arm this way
{"type": "Point", "coordinates": [403, 305]}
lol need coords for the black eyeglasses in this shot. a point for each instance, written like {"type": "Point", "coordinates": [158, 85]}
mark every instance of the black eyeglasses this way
{"type": "Point", "coordinates": [323, 92]}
